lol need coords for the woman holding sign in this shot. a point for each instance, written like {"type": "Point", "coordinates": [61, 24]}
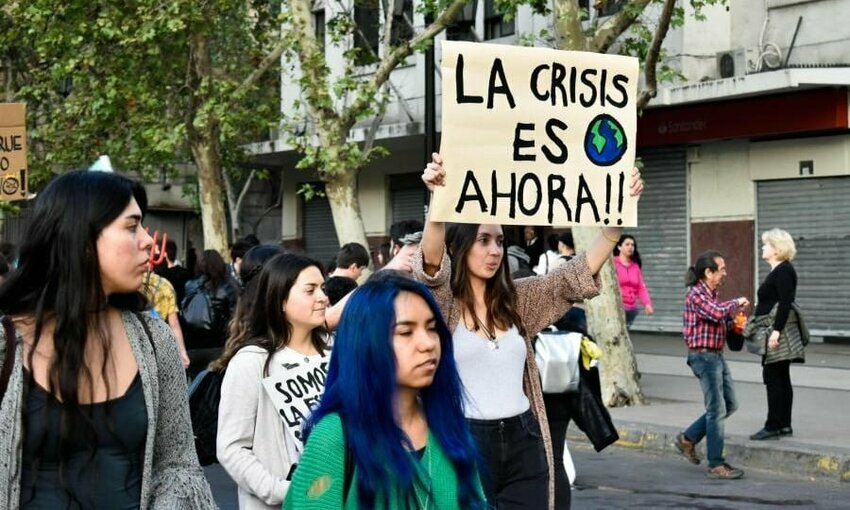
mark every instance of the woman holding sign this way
{"type": "Point", "coordinates": [390, 431]}
{"type": "Point", "coordinates": [492, 320]}
{"type": "Point", "coordinates": [264, 396]}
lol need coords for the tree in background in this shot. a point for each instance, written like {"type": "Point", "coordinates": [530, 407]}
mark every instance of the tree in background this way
{"type": "Point", "coordinates": [152, 84]}
{"type": "Point", "coordinates": [334, 101]}
{"type": "Point", "coordinates": [636, 28]}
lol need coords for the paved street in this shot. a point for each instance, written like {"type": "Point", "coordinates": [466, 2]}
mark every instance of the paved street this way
{"type": "Point", "coordinates": [623, 478]}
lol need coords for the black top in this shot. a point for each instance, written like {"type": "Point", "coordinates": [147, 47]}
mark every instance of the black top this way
{"type": "Point", "coordinates": [780, 286]}
{"type": "Point", "coordinates": [100, 472]}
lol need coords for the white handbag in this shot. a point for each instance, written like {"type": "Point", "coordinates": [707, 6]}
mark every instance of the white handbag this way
{"type": "Point", "coordinates": [557, 354]}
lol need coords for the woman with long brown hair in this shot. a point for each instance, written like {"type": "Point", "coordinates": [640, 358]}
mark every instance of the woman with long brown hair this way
{"type": "Point", "coordinates": [493, 320]}
{"type": "Point", "coordinates": [284, 334]}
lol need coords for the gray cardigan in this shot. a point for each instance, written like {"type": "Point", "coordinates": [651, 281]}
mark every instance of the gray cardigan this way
{"type": "Point", "coordinates": [172, 477]}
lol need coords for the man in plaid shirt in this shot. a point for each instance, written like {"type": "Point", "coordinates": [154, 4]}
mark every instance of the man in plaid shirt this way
{"type": "Point", "coordinates": [706, 321]}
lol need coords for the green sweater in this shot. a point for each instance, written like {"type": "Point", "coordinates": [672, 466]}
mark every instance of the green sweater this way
{"type": "Point", "coordinates": [318, 481]}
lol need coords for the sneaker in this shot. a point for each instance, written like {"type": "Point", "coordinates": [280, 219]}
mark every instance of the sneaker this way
{"type": "Point", "coordinates": [687, 449]}
{"type": "Point", "coordinates": [724, 472]}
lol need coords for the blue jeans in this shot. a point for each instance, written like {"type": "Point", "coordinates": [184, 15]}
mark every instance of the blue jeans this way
{"type": "Point", "coordinates": [631, 315]}
{"type": "Point", "coordinates": [719, 395]}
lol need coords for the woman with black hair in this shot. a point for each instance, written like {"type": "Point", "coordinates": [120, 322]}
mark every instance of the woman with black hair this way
{"type": "Point", "coordinates": [389, 432]}
{"type": "Point", "coordinates": [630, 276]}
{"type": "Point", "coordinates": [94, 411]}
{"type": "Point", "coordinates": [283, 336]}
{"type": "Point", "coordinates": [216, 292]}
{"type": "Point", "coordinates": [493, 321]}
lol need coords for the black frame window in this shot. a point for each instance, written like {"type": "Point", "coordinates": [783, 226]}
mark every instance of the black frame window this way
{"type": "Point", "coordinates": [495, 25]}
{"type": "Point", "coordinates": [319, 27]}
{"type": "Point", "coordinates": [367, 18]}
{"type": "Point", "coordinates": [402, 29]}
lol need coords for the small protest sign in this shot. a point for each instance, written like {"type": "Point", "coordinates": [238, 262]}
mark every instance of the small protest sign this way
{"type": "Point", "coordinates": [295, 393]}
{"type": "Point", "coordinates": [13, 152]}
{"type": "Point", "coordinates": [535, 136]}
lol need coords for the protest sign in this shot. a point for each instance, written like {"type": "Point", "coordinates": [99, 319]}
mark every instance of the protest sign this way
{"type": "Point", "coordinates": [535, 136]}
{"type": "Point", "coordinates": [13, 152]}
{"type": "Point", "coordinates": [295, 393]}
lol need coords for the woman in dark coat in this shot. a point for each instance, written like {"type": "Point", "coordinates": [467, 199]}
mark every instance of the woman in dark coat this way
{"type": "Point", "coordinates": [784, 343]}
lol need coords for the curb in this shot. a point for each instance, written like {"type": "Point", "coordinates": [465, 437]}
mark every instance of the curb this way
{"type": "Point", "coordinates": [796, 460]}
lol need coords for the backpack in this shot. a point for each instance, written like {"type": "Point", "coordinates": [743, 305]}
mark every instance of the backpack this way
{"type": "Point", "coordinates": [197, 309]}
{"type": "Point", "coordinates": [204, 397]}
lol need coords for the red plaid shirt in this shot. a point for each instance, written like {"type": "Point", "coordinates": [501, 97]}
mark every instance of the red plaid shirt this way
{"type": "Point", "coordinates": [706, 319]}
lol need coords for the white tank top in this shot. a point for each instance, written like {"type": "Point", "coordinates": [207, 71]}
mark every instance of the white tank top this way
{"type": "Point", "coordinates": [492, 378]}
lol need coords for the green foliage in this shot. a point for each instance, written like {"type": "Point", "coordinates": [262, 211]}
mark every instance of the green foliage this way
{"type": "Point", "coordinates": [136, 92]}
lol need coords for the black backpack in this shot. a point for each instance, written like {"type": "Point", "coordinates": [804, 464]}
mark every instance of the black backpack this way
{"type": "Point", "coordinates": [197, 309]}
{"type": "Point", "coordinates": [204, 397]}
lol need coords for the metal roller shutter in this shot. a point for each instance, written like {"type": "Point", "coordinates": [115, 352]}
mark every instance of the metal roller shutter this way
{"type": "Point", "coordinates": [320, 241]}
{"type": "Point", "coordinates": [816, 212]}
{"type": "Point", "coordinates": [662, 236]}
{"type": "Point", "coordinates": [407, 197]}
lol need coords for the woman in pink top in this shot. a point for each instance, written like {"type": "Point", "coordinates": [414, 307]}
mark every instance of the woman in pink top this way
{"type": "Point", "coordinates": [632, 287]}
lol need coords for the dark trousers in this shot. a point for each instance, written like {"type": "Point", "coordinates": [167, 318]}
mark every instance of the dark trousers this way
{"type": "Point", "coordinates": [515, 474]}
{"type": "Point", "coordinates": [780, 394]}
{"type": "Point", "coordinates": [558, 411]}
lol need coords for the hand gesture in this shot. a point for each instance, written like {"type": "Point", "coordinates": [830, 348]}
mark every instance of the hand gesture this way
{"type": "Point", "coordinates": [434, 175]}
{"type": "Point", "coordinates": [635, 183]}
{"type": "Point", "coordinates": [743, 302]}
{"type": "Point", "coordinates": [403, 260]}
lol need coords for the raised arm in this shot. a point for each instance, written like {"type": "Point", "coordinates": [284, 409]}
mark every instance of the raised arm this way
{"type": "Point", "coordinates": [434, 234]}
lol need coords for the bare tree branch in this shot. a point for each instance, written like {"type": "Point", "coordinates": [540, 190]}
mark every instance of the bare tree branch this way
{"type": "Point", "coordinates": [651, 85]}
{"type": "Point", "coordinates": [399, 53]}
{"type": "Point", "coordinates": [609, 31]}
{"type": "Point", "coordinates": [567, 19]}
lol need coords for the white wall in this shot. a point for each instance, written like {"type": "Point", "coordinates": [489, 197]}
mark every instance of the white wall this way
{"type": "Point", "coordinates": [781, 159]}
{"type": "Point", "coordinates": [720, 184]}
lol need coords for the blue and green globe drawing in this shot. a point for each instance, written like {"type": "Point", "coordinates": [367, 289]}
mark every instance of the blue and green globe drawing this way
{"type": "Point", "coordinates": [605, 141]}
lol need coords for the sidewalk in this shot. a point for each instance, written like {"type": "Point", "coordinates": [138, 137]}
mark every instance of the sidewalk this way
{"type": "Point", "coordinates": [820, 446]}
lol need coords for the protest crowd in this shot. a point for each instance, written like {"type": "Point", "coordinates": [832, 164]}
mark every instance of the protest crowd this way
{"type": "Point", "coordinates": [438, 371]}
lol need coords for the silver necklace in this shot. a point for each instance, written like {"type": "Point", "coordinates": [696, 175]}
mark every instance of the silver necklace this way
{"type": "Point", "coordinates": [492, 342]}
{"type": "Point", "coordinates": [421, 505]}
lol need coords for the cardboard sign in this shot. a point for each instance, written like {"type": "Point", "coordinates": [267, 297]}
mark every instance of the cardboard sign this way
{"type": "Point", "coordinates": [535, 136]}
{"type": "Point", "coordinates": [295, 394]}
{"type": "Point", "coordinates": [13, 151]}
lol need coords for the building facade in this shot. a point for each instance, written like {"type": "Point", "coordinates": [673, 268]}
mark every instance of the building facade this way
{"type": "Point", "coordinates": [756, 136]}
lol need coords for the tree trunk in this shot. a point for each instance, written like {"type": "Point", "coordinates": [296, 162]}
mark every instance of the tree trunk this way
{"type": "Point", "coordinates": [341, 190]}
{"type": "Point", "coordinates": [607, 324]}
{"type": "Point", "coordinates": [211, 194]}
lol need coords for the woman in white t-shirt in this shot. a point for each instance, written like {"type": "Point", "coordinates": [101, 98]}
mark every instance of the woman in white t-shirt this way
{"type": "Point", "coordinates": [279, 359]}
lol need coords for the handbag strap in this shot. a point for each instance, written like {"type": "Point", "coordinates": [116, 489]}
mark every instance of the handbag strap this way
{"type": "Point", "coordinates": [9, 357]}
{"type": "Point", "coordinates": [147, 329]}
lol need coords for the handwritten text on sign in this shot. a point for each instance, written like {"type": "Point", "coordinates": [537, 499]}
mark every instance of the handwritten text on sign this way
{"type": "Point", "coordinates": [534, 136]}
{"type": "Point", "coordinates": [295, 394]}
{"type": "Point", "coordinates": [13, 151]}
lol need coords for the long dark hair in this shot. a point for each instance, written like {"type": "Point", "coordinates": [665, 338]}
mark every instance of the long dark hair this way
{"type": "Point", "coordinates": [500, 294]}
{"type": "Point", "coordinates": [361, 387]}
{"type": "Point", "coordinates": [252, 264]}
{"type": "Point", "coordinates": [212, 267]}
{"type": "Point", "coordinates": [267, 326]}
{"type": "Point", "coordinates": [58, 281]}
{"type": "Point", "coordinates": [635, 254]}
{"type": "Point", "coordinates": [707, 260]}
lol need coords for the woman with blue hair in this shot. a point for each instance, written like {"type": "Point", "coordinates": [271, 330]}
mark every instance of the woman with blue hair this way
{"type": "Point", "coordinates": [389, 432]}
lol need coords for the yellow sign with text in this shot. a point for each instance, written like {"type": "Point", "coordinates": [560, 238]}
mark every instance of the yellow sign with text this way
{"type": "Point", "coordinates": [535, 136]}
{"type": "Point", "coordinates": [13, 151]}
